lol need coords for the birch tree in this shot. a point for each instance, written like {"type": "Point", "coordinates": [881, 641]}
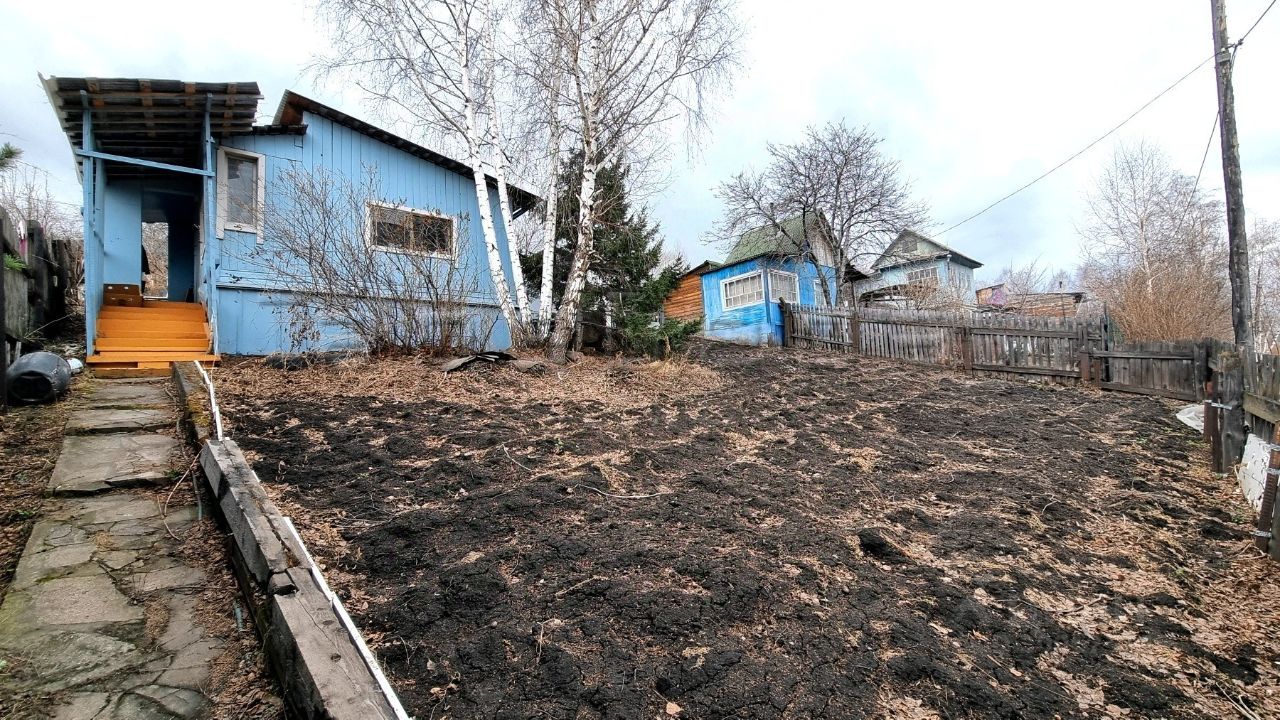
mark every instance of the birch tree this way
{"type": "Point", "coordinates": [839, 174]}
{"type": "Point", "coordinates": [435, 61]}
{"type": "Point", "coordinates": [630, 67]}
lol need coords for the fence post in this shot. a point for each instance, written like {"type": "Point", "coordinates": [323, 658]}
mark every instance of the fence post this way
{"type": "Point", "coordinates": [966, 347]}
{"type": "Point", "coordinates": [1231, 420]}
{"type": "Point", "coordinates": [855, 329]}
{"type": "Point", "coordinates": [787, 330]}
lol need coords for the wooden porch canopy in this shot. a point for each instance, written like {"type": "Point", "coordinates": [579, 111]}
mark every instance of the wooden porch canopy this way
{"type": "Point", "coordinates": [156, 123]}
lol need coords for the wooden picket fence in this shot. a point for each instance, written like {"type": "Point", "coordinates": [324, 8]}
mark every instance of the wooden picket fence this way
{"type": "Point", "coordinates": [1065, 350]}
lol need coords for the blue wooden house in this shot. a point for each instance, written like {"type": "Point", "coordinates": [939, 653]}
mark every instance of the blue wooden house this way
{"type": "Point", "coordinates": [740, 297]}
{"type": "Point", "coordinates": [914, 266]}
{"type": "Point", "coordinates": [192, 155]}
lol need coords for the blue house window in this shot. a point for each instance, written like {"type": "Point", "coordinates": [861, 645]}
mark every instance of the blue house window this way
{"type": "Point", "coordinates": [400, 229]}
{"type": "Point", "coordinates": [784, 285]}
{"type": "Point", "coordinates": [742, 290]}
{"type": "Point", "coordinates": [241, 190]}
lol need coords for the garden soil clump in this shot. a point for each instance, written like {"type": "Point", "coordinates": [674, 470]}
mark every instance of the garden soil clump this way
{"type": "Point", "coordinates": [757, 533]}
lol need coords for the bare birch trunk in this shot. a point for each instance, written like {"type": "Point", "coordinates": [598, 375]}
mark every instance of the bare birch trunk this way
{"type": "Point", "coordinates": [482, 200]}
{"type": "Point", "coordinates": [545, 309]}
{"type": "Point", "coordinates": [567, 317]}
{"type": "Point", "coordinates": [500, 167]}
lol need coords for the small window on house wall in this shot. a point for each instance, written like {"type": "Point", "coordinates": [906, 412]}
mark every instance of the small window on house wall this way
{"type": "Point", "coordinates": [908, 246]}
{"type": "Point", "coordinates": [400, 229]}
{"type": "Point", "coordinates": [923, 277]}
{"type": "Point", "coordinates": [241, 187]}
{"type": "Point", "coordinates": [784, 285]}
{"type": "Point", "coordinates": [742, 290]}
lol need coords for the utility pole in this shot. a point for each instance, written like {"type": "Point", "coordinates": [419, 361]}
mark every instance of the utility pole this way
{"type": "Point", "coordinates": [1237, 243]}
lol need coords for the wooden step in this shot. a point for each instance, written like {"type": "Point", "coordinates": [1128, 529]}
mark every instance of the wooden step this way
{"type": "Point", "coordinates": [115, 373]}
{"type": "Point", "coordinates": [156, 344]}
{"type": "Point", "coordinates": [117, 326]}
{"type": "Point", "coordinates": [147, 332]}
{"type": "Point", "coordinates": [140, 357]}
{"type": "Point", "coordinates": [179, 311]}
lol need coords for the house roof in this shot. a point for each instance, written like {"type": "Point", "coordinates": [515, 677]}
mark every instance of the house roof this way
{"type": "Point", "coordinates": [293, 105]}
{"type": "Point", "coordinates": [889, 259]}
{"type": "Point", "coordinates": [768, 240]}
{"type": "Point", "coordinates": [149, 119]}
{"type": "Point", "coordinates": [703, 267]}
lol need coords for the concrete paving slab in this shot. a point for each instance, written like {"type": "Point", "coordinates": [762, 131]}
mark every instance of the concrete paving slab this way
{"type": "Point", "coordinates": [117, 420]}
{"type": "Point", "coordinates": [127, 393]}
{"type": "Point", "coordinates": [95, 463]}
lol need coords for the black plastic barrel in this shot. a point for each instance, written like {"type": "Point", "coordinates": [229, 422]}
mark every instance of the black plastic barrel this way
{"type": "Point", "coordinates": [37, 377]}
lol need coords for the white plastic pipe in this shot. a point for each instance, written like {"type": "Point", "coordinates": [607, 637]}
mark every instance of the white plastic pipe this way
{"type": "Point", "coordinates": [213, 401]}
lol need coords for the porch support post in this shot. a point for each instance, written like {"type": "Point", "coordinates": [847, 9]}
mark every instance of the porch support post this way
{"type": "Point", "coordinates": [209, 250]}
{"type": "Point", "coordinates": [88, 212]}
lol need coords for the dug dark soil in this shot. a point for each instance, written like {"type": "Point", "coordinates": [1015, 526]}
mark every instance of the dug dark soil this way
{"type": "Point", "coordinates": [756, 533]}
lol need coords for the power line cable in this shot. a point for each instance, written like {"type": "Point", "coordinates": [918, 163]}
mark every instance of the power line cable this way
{"type": "Point", "coordinates": [1083, 150]}
{"type": "Point", "coordinates": [1254, 25]}
{"type": "Point", "coordinates": [1234, 46]}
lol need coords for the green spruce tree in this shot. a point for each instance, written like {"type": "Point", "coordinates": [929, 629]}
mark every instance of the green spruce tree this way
{"type": "Point", "coordinates": [624, 269]}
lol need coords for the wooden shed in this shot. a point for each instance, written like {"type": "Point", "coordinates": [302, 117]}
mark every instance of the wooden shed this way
{"type": "Point", "coordinates": [685, 301]}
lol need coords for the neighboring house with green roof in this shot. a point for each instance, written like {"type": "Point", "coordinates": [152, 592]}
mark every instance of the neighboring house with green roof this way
{"type": "Point", "coordinates": [740, 298]}
{"type": "Point", "coordinates": [914, 265]}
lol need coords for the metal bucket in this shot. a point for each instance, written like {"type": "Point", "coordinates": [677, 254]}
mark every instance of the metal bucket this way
{"type": "Point", "coordinates": [38, 377]}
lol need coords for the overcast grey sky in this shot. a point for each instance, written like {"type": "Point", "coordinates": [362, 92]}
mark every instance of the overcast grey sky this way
{"type": "Point", "coordinates": [974, 98]}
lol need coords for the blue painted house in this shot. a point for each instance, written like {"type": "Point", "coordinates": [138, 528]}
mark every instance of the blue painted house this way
{"type": "Point", "coordinates": [740, 297]}
{"type": "Point", "coordinates": [192, 155]}
{"type": "Point", "coordinates": [920, 270]}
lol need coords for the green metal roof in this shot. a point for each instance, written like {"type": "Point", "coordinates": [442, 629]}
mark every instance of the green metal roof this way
{"type": "Point", "coordinates": [766, 240]}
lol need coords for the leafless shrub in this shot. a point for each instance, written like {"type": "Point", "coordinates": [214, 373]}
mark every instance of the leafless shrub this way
{"type": "Point", "coordinates": [321, 247]}
{"type": "Point", "coordinates": [1155, 251]}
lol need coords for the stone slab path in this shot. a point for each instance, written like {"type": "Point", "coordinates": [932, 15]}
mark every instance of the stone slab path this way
{"type": "Point", "coordinates": [98, 623]}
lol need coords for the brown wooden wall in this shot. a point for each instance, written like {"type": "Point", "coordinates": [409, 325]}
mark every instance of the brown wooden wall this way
{"type": "Point", "coordinates": [685, 301]}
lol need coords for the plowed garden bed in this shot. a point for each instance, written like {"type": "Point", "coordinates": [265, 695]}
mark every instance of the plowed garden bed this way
{"type": "Point", "coordinates": [755, 533]}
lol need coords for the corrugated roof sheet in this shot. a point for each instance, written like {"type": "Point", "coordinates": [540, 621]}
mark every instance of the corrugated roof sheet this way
{"type": "Point", "coordinates": [768, 240]}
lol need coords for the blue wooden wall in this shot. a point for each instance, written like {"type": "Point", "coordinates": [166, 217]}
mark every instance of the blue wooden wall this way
{"type": "Point", "coordinates": [250, 301]}
{"type": "Point", "coordinates": [957, 275]}
{"type": "Point", "coordinates": [761, 323]}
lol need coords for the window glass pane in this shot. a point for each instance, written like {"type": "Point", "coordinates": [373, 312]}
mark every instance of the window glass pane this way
{"type": "Point", "coordinates": [433, 234]}
{"type": "Point", "coordinates": [242, 190]}
{"type": "Point", "coordinates": [390, 227]}
{"type": "Point", "coordinates": [785, 286]}
{"type": "Point", "coordinates": [743, 291]}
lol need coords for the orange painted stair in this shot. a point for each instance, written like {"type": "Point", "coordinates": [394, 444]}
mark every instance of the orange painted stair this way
{"type": "Point", "coordinates": [142, 339]}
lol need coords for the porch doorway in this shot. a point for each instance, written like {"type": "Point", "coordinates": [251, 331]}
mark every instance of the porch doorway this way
{"type": "Point", "coordinates": [170, 214]}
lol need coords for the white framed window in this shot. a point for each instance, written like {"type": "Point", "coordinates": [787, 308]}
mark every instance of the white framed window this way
{"type": "Point", "coordinates": [241, 191]}
{"type": "Point", "coordinates": [923, 277]}
{"type": "Point", "coordinates": [395, 228]}
{"type": "Point", "coordinates": [742, 290]}
{"type": "Point", "coordinates": [785, 285]}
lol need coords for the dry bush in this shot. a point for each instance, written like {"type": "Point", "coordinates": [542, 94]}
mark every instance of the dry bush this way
{"type": "Point", "coordinates": [319, 249]}
{"type": "Point", "coordinates": [1155, 251]}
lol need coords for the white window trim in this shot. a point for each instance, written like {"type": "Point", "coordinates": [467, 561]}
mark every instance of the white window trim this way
{"type": "Point", "coordinates": [368, 230]}
{"type": "Point", "coordinates": [223, 224]}
{"type": "Point", "coordinates": [794, 277]}
{"type": "Point", "coordinates": [724, 297]}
